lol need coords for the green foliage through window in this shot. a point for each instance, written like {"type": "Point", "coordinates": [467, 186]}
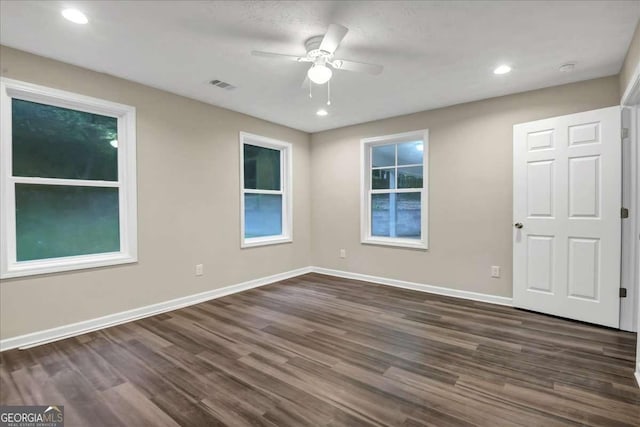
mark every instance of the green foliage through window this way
{"type": "Point", "coordinates": [57, 221]}
{"type": "Point", "coordinates": [55, 142]}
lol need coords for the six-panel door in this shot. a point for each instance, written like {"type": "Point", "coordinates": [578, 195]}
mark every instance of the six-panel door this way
{"type": "Point", "coordinates": [567, 195]}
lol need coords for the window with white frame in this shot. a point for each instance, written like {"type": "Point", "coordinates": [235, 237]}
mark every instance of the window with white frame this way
{"type": "Point", "coordinates": [68, 181]}
{"type": "Point", "coordinates": [394, 190]}
{"type": "Point", "coordinates": [265, 187]}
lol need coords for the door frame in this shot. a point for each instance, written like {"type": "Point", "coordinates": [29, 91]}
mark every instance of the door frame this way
{"type": "Point", "coordinates": [630, 270]}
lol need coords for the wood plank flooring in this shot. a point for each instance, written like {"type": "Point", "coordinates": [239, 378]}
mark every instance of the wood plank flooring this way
{"type": "Point", "coordinates": [322, 351]}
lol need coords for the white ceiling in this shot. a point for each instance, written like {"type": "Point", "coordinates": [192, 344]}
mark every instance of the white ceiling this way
{"type": "Point", "coordinates": [435, 53]}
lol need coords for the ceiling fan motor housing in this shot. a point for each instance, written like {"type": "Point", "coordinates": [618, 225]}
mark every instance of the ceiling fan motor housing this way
{"type": "Point", "coordinates": [313, 48]}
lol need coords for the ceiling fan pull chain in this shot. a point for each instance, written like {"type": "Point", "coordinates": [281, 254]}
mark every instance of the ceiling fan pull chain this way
{"type": "Point", "coordinates": [310, 84]}
{"type": "Point", "coordinates": [329, 92]}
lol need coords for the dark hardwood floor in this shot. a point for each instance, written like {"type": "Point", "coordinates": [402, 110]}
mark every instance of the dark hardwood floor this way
{"type": "Point", "coordinates": [323, 351]}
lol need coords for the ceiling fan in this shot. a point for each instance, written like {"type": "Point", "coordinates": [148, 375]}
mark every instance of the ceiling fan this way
{"type": "Point", "coordinates": [320, 50]}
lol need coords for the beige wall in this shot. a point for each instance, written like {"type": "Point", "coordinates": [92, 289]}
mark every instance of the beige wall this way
{"type": "Point", "coordinates": [188, 206]}
{"type": "Point", "coordinates": [470, 188]}
{"type": "Point", "coordinates": [631, 61]}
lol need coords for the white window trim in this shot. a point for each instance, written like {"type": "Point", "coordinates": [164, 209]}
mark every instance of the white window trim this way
{"type": "Point", "coordinates": [365, 190]}
{"type": "Point", "coordinates": [126, 115]}
{"type": "Point", "coordinates": [286, 173]}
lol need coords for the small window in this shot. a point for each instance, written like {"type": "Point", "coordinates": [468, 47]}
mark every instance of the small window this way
{"type": "Point", "coordinates": [265, 199]}
{"type": "Point", "coordinates": [394, 190]}
{"type": "Point", "coordinates": [68, 181]}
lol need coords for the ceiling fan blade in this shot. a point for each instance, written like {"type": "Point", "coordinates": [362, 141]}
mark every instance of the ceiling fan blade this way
{"type": "Point", "coordinates": [279, 56]}
{"type": "Point", "coordinates": [332, 39]}
{"type": "Point", "coordinates": [360, 67]}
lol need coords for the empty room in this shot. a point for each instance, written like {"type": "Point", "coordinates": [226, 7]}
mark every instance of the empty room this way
{"type": "Point", "coordinates": [319, 213]}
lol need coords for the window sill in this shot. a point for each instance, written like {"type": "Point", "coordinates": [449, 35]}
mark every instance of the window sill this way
{"type": "Point", "coordinates": [264, 241]}
{"type": "Point", "coordinates": [58, 265]}
{"type": "Point", "coordinates": [401, 243]}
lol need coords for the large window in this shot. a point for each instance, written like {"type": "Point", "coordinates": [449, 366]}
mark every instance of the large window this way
{"type": "Point", "coordinates": [265, 182]}
{"type": "Point", "coordinates": [394, 190]}
{"type": "Point", "coordinates": [68, 181]}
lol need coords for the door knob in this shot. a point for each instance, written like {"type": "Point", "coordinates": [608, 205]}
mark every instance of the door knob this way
{"type": "Point", "coordinates": [518, 225]}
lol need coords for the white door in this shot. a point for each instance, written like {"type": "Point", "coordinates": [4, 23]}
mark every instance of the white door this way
{"type": "Point", "coordinates": [566, 214]}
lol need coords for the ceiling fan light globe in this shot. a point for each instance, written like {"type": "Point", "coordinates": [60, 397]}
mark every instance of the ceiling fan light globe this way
{"type": "Point", "coordinates": [319, 74]}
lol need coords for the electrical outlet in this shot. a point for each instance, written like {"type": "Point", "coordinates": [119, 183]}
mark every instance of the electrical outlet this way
{"type": "Point", "coordinates": [343, 253]}
{"type": "Point", "coordinates": [495, 271]}
{"type": "Point", "coordinates": [199, 269]}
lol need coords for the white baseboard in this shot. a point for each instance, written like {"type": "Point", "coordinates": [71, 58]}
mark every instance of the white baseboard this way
{"type": "Point", "coordinates": [73, 329]}
{"type": "Point", "coordinates": [637, 375]}
{"type": "Point", "coordinates": [439, 290]}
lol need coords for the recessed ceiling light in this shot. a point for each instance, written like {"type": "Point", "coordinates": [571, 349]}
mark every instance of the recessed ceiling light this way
{"type": "Point", "coordinates": [567, 68]}
{"type": "Point", "coordinates": [502, 69]}
{"type": "Point", "coordinates": [322, 112]}
{"type": "Point", "coordinates": [75, 16]}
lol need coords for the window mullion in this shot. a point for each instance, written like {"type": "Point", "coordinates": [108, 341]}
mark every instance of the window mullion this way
{"type": "Point", "coordinates": [370, 168]}
{"type": "Point", "coordinates": [256, 191]}
{"type": "Point", "coordinates": [395, 178]}
{"type": "Point", "coordinates": [63, 181]}
{"type": "Point", "coordinates": [410, 166]}
{"type": "Point", "coordinates": [408, 190]}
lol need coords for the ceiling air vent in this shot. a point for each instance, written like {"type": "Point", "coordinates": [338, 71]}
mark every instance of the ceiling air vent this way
{"type": "Point", "coordinates": [222, 85]}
